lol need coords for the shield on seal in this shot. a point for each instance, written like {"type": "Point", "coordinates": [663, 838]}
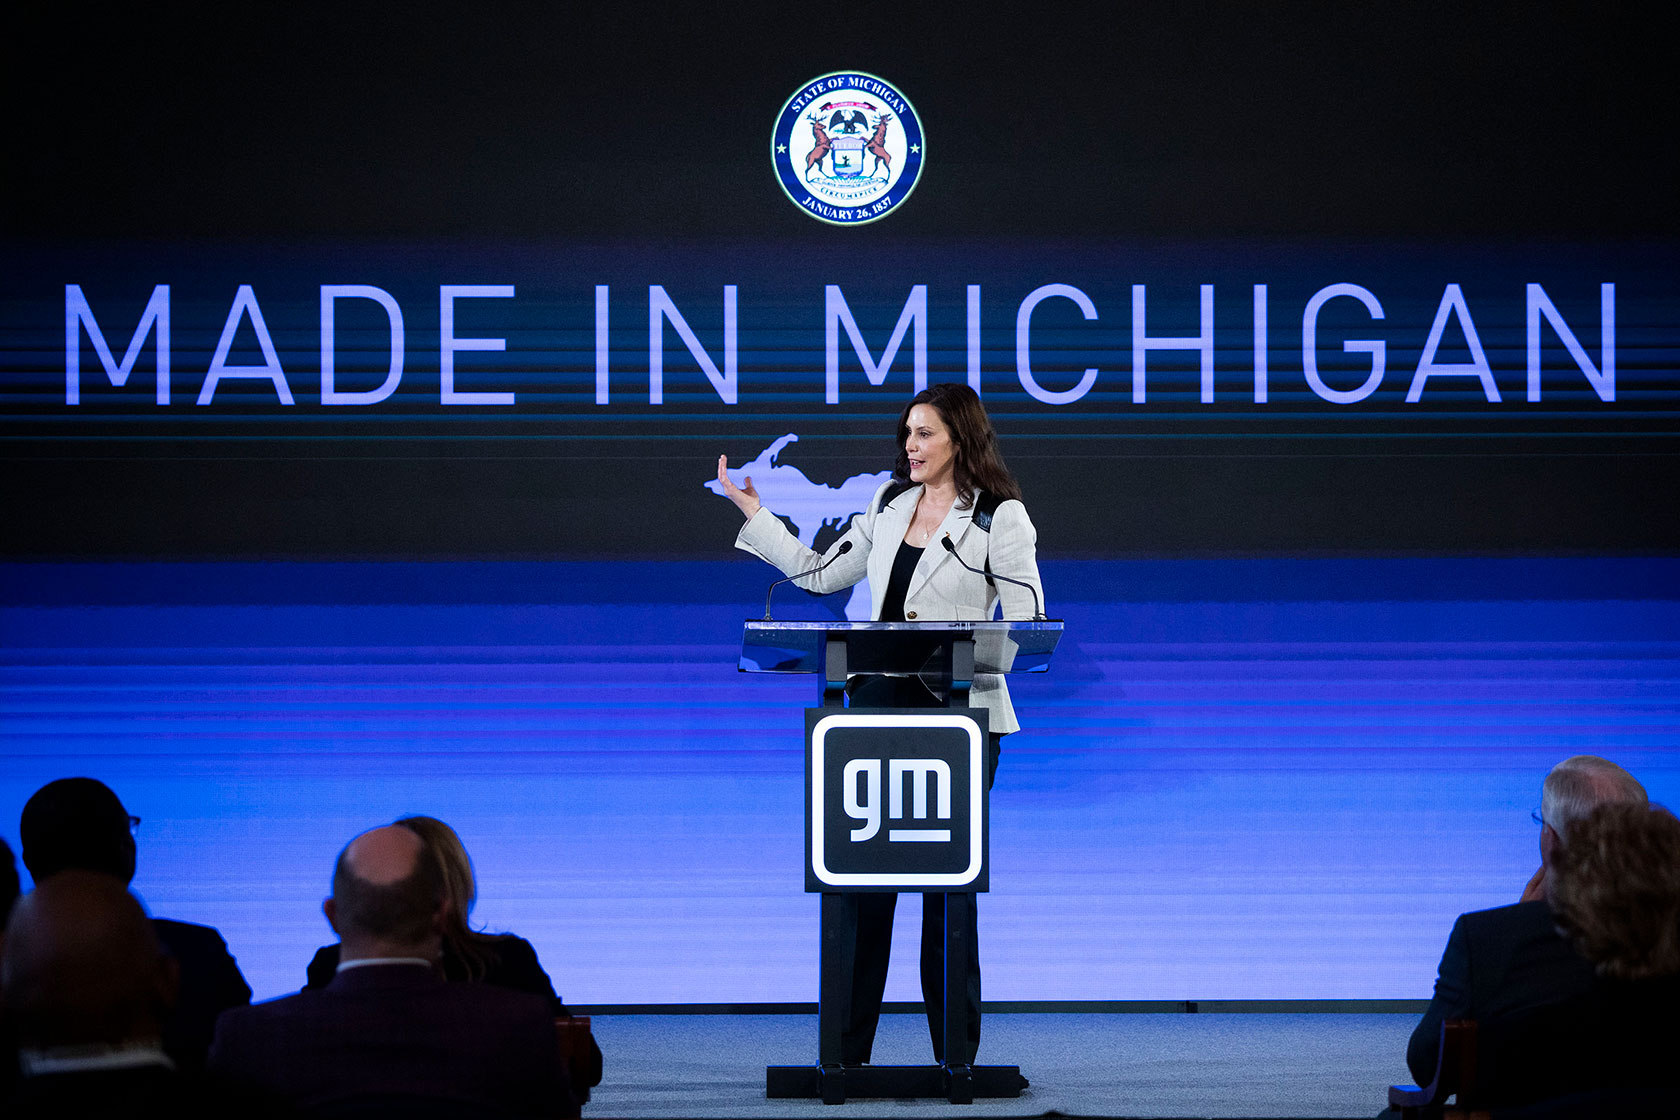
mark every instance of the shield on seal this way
{"type": "Point", "coordinates": [847, 157]}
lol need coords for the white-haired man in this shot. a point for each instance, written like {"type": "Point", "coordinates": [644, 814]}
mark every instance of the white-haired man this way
{"type": "Point", "coordinates": [1512, 957]}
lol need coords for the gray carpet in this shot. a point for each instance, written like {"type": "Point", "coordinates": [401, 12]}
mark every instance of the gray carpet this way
{"type": "Point", "coordinates": [1130, 1065]}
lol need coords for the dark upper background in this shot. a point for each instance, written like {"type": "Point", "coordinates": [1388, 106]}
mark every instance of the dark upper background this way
{"type": "Point", "coordinates": [472, 122]}
{"type": "Point", "coordinates": [473, 119]}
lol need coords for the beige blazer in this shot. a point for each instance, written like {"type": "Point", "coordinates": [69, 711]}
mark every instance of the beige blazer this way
{"type": "Point", "coordinates": [940, 588]}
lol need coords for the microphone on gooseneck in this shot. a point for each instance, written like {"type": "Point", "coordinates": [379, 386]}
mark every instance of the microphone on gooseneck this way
{"type": "Point", "coordinates": [845, 547]}
{"type": "Point", "coordinates": [951, 547]}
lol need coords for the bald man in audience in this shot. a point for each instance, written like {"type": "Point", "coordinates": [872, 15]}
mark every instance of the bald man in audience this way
{"type": "Point", "coordinates": [1512, 958]}
{"type": "Point", "coordinates": [388, 1032]}
{"type": "Point", "coordinates": [87, 988]}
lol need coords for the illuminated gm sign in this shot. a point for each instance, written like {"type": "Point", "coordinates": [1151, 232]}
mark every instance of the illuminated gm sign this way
{"type": "Point", "coordinates": [868, 808]}
{"type": "Point", "coordinates": [897, 799]}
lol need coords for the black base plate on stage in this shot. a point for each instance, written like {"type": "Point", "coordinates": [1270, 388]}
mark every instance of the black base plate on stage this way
{"type": "Point", "coordinates": [834, 1084]}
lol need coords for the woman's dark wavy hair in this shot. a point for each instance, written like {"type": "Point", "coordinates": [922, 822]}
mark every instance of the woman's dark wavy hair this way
{"type": "Point", "coordinates": [978, 463]}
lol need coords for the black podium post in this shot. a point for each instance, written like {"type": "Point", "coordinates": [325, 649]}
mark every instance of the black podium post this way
{"type": "Point", "coordinates": [938, 757]}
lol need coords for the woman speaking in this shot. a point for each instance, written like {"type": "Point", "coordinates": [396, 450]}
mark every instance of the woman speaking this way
{"type": "Point", "coordinates": [949, 481]}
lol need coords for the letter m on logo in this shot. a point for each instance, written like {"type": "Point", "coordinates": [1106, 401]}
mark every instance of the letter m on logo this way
{"type": "Point", "coordinates": [78, 315]}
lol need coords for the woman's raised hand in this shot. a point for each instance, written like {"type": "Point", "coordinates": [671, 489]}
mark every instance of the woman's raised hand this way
{"type": "Point", "coordinates": [744, 497]}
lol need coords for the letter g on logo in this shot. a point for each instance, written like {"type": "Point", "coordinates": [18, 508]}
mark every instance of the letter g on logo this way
{"type": "Point", "coordinates": [870, 810]}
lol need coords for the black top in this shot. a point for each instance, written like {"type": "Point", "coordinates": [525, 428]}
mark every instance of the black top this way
{"type": "Point", "coordinates": [898, 584]}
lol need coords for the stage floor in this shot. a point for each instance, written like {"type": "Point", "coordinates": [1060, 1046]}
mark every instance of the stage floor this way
{"type": "Point", "coordinates": [1131, 1065]}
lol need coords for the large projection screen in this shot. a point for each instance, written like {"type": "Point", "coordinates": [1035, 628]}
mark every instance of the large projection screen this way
{"type": "Point", "coordinates": [364, 371]}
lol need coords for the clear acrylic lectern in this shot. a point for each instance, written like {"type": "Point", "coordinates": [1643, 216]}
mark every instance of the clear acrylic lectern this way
{"type": "Point", "coordinates": [938, 758]}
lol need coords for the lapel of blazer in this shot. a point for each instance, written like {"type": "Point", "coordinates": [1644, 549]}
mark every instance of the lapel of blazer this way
{"type": "Point", "coordinates": [895, 518]}
{"type": "Point", "coordinates": [957, 523]}
{"type": "Point", "coordinates": [890, 526]}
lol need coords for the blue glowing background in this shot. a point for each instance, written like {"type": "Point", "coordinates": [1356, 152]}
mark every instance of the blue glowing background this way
{"type": "Point", "coordinates": [1246, 778]}
{"type": "Point", "coordinates": [1319, 653]}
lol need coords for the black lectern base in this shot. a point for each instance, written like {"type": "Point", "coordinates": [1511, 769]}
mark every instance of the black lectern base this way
{"type": "Point", "coordinates": [834, 1084]}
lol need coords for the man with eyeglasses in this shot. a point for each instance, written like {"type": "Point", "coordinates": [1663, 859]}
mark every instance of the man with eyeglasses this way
{"type": "Point", "coordinates": [78, 824]}
{"type": "Point", "coordinates": [1512, 957]}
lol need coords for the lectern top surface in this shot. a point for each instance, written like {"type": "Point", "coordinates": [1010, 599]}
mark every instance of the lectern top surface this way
{"type": "Point", "coordinates": [932, 626]}
{"type": "Point", "coordinates": [1015, 646]}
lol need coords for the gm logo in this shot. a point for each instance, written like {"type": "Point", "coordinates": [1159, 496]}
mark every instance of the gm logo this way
{"type": "Point", "coordinates": [868, 807]}
{"type": "Point", "coordinates": [897, 799]}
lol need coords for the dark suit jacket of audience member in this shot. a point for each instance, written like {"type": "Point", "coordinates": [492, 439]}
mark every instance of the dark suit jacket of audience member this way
{"type": "Point", "coordinates": [513, 965]}
{"type": "Point", "coordinates": [390, 1032]}
{"type": "Point", "coordinates": [1612, 1051]}
{"type": "Point", "coordinates": [1497, 962]}
{"type": "Point", "coordinates": [210, 984]}
{"type": "Point", "coordinates": [141, 1093]}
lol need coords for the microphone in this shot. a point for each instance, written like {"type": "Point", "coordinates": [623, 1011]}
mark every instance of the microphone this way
{"type": "Point", "coordinates": [845, 547]}
{"type": "Point", "coordinates": [951, 547]}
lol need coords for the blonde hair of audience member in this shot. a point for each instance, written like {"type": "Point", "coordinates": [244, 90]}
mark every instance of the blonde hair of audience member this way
{"type": "Point", "coordinates": [1615, 890]}
{"type": "Point", "coordinates": [474, 949]}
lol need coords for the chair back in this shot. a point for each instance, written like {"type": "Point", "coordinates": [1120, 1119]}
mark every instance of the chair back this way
{"type": "Point", "coordinates": [577, 1053]}
{"type": "Point", "coordinates": [1455, 1076]}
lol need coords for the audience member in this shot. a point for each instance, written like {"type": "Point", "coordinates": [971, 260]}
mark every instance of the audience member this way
{"type": "Point", "coordinates": [9, 885]}
{"type": "Point", "coordinates": [8, 896]}
{"type": "Point", "coordinates": [1511, 957]}
{"type": "Point", "coordinates": [78, 824]}
{"type": "Point", "coordinates": [468, 954]}
{"type": "Point", "coordinates": [1615, 888]}
{"type": "Point", "coordinates": [388, 1032]}
{"type": "Point", "coordinates": [1614, 884]}
{"type": "Point", "coordinates": [87, 989]}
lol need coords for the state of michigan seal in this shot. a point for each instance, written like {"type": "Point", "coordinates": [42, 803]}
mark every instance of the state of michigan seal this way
{"type": "Point", "coordinates": [847, 148]}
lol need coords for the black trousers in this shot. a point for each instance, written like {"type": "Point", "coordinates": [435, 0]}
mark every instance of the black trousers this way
{"type": "Point", "coordinates": [866, 920]}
